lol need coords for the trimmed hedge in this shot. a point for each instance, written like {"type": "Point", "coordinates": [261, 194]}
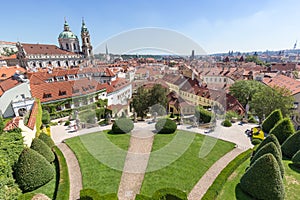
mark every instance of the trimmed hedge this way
{"type": "Point", "coordinates": [270, 138]}
{"type": "Point", "coordinates": [214, 190]}
{"type": "Point", "coordinates": [291, 145]}
{"type": "Point", "coordinates": [47, 139]}
{"type": "Point", "coordinates": [142, 197]}
{"type": "Point", "coordinates": [256, 141]}
{"type": "Point", "coordinates": [63, 189]}
{"type": "Point", "coordinates": [283, 129]}
{"type": "Point", "coordinates": [203, 115]}
{"type": "Point", "coordinates": [169, 193]}
{"type": "Point", "coordinates": [89, 194]}
{"type": "Point", "coordinates": [226, 123]}
{"type": "Point", "coordinates": [32, 170]}
{"type": "Point", "coordinates": [263, 179]}
{"type": "Point", "coordinates": [296, 159]}
{"type": "Point", "coordinates": [269, 148]}
{"type": "Point", "coordinates": [122, 125]}
{"type": "Point", "coordinates": [271, 120]}
{"type": "Point", "coordinates": [43, 149]}
{"type": "Point", "coordinates": [111, 196]}
{"type": "Point", "coordinates": [165, 126]}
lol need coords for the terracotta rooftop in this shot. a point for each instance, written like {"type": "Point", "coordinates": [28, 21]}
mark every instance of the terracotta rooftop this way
{"type": "Point", "coordinates": [32, 117]}
{"type": "Point", "coordinates": [44, 49]}
{"type": "Point", "coordinates": [283, 81]}
{"type": "Point", "coordinates": [7, 72]}
{"type": "Point", "coordinates": [7, 85]}
{"type": "Point", "coordinates": [12, 124]}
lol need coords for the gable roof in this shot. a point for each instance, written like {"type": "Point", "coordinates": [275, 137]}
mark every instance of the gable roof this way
{"type": "Point", "coordinates": [283, 81]}
{"type": "Point", "coordinates": [7, 72]}
{"type": "Point", "coordinates": [7, 85]}
{"type": "Point", "coordinates": [44, 49]}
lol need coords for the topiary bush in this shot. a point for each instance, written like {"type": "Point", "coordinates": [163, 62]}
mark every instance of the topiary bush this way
{"type": "Point", "coordinates": [267, 140]}
{"type": "Point", "coordinates": [256, 141]}
{"type": "Point", "coordinates": [203, 115]}
{"type": "Point", "coordinates": [122, 125]}
{"type": "Point", "coordinates": [165, 126]}
{"type": "Point", "coordinates": [269, 148]}
{"type": "Point", "coordinates": [89, 194]}
{"type": "Point", "coordinates": [263, 179]}
{"type": "Point", "coordinates": [46, 139]}
{"type": "Point", "coordinates": [43, 149]}
{"type": "Point", "coordinates": [32, 170]}
{"type": "Point", "coordinates": [170, 194]}
{"type": "Point", "coordinates": [226, 123]}
{"type": "Point", "coordinates": [271, 120]}
{"type": "Point", "coordinates": [283, 129]}
{"type": "Point", "coordinates": [291, 145]}
{"type": "Point", "coordinates": [296, 159]}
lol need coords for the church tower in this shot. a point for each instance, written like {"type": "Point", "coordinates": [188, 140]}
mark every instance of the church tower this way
{"type": "Point", "coordinates": [68, 40]}
{"type": "Point", "coordinates": [87, 48]}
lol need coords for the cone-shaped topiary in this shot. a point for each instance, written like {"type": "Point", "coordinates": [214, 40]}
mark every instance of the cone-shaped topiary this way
{"type": "Point", "coordinates": [43, 149]}
{"type": "Point", "coordinates": [267, 140]}
{"type": "Point", "coordinates": [291, 145]}
{"type": "Point", "coordinates": [122, 125]}
{"type": "Point", "coordinates": [271, 120]}
{"type": "Point", "coordinates": [32, 170]}
{"type": "Point", "coordinates": [269, 148]}
{"type": "Point", "coordinates": [165, 126]}
{"type": "Point", "coordinates": [263, 179]}
{"type": "Point", "coordinates": [296, 158]}
{"type": "Point", "coordinates": [283, 129]}
{"type": "Point", "coordinates": [47, 139]}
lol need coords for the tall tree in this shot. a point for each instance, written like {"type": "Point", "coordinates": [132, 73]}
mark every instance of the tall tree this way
{"type": "Point", "coordinates": [140, 102]}
{"type": "Point", "coordinates": [268, 99]}
{"type": "Point", "coordinates": [244, 90]}
{"type": "Point", "coordinates": [158, 95]}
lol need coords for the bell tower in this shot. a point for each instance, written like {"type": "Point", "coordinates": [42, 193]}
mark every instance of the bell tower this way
{"type": "Point", "coordinates": [87, 48]}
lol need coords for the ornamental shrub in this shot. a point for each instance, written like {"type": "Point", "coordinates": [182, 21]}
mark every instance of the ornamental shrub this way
{"type": "Point", "coordinates": [45, 117]}
{"type": "Point", "coordinates": [122, 125]}
{"type": "Point", "coordinates": [283, 129]}
{"type": "Point", "coordinates": [47, 139]}
{"type": "Point", "coordinates": [203, 115]}
{"type": "Point", "coordinates": [272, 120]}
{"type": "Point", "coordinates": [270, 138]}
{"type": "Point", "coordinates": [256, 141]}
{"type": "Point", "coordinates": [67, 123]}
{"type": "Point", "coordinates": [43, 149]}
{"type": "Point", "coordinates": [252, 120]}
{"type": "Point", "coordinates": [263, 179]}
{"type": "Point", "coordinates": [165, 126]}
{"type": "Point", "coordinates": [169, 193]}
{"type": "Point", "coordinates": [269, 148]}
{"type": "Point", "coordinates": [291, 145]}
{"type": "Point", "coordinates": [32, 170]}
{"type": "Point", "coordinates": [226, 123]}
{"type": "Point", "coordinates": [89, 194]}
{"type": "Point", "coordinates": [296, 158]}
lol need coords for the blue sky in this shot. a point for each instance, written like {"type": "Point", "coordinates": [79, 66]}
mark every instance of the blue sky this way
{"type": "Point", "coordinates": [216, 25]}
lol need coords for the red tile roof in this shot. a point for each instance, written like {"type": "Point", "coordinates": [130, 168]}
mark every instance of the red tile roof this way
{"type": "Point", "coordinates": [12, 124]}
{"type": "Point", "coordinates": [7, 72]}
{"type": "Point", "coordinates": [283, 81]}
{"type": "Point", "coordinates": [44, 49]}
{"type": "Point", "coordinates": [7, 85]}
{"type": "Point", "coordinates": [32, 118]}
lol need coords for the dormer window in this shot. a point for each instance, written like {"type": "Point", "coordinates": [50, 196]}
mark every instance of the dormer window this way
{"type": "Point", "coordinates": [49, 80]}
{"type": "Point", "coordinates": [60, 78]}
{"type": "Point", "coordinates": [71, 77]}
{"type": "Point", "coordinates": [80, 75]}
{"type": "Point", "coordinates": [62, 93]}
{"type": "Point", "coordinates": [47, 95]}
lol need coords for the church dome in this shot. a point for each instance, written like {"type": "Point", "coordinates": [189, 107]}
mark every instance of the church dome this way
{"type": "Point", "coordinates": [67, 35]}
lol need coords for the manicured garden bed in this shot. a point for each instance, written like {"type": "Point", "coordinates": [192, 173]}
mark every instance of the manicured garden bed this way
{"type": "Point", "coordinates": [94, 152]}
{"type": "Point", "coordinates": [183, 173]}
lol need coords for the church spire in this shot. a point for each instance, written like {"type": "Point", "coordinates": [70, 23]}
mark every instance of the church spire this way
{"type": "Point", "coordinates": [83, 27]}
{"type": "Point", "coordinates": [66, 26]}
{"type": "Point", "coordinates": [87, 48]}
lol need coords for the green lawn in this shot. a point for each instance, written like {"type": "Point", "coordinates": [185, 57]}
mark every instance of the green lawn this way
{"type": "Point", "coordinates": [231, 189]}
{"type": "Point", "coordinates": [187, 151]}
{"type": "Point", "coordinates": [101, 157]}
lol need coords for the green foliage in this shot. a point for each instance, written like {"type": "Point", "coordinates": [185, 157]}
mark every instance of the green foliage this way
{"type": "Point", "coordinates": [45, 117]}
{"type": "Point", "coordinates": [142, 197]}
{"type": "Point", "coordinates": [226, 123]}
{"type": "Point", "coordinates": [165, 126]}
{"type": "Point", "coordinates": [217, 185]}
{"type": "Point", "coordinates": [267, 140]}
{"type": "Point", "coordinates": [89, 194]}
{"type": "Point", "coordinates": [255, 59]}
{"type": "Point", "coordinates": [232, 114]}
{"type": "Point", "coordinates": [38, 118]}
{"type": "Point", "coordinates": [263, 179]}
{"type": "Point", "coordinates": [63, 190]}
{"type": "Point", "coordinates": [43, 149]}
{"type": "Point", "coordinates": [255, 141]}
{"type": "Point", "coordinates": [170, 194]}
{"type": "Point", "coordinates": [158, 95]}
{"type": "Point", "coordinates": [67, 123]}
{"type": "Point", "coordinates": [283, 129]}
{"type": "Point", "coordinates": [111, 196]}
{"type": "Point", "coordinates": [122, 125]}
{"type": "Point", "coordinates": [2, 125]}
{"type": "Point", "coordinates": [203, 115]}
{"type": "Point", "coordinates": [46, 139]}
{"type": "Point", "coordinates": [269, 148]}
{"type": "Point", "coordinates": [291, 145]}
{"type": "Point", "coordinates": [252, 120]}
{"type": "Point", "coordinates": [87, 116]}
{"type": "Point", "coordinates": [100, 113]}
{"type": "Point", "coordinates": [271, 120]}
{"type": "Point", "coordinates": [32, 170]}
{"type": "Point", "coordinates": [244, 90]}
{"type": "Point", "coordinates": [268, 99]}
{"type": "Point", "coordinates": [296, 158]}
{"type": "Point", "coordinates": [140, 102]}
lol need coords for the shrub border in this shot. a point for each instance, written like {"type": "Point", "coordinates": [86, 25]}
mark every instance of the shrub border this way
{"type": "Point", "coordinates": [217, 186]}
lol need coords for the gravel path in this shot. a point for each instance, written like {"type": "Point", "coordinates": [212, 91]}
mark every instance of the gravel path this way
{"type": "Point", "coordinates": [74, 171]}
{"type": "Point", "coordinates": [211, 174]}
{"type": "Point", "coordinates": [135, 164]}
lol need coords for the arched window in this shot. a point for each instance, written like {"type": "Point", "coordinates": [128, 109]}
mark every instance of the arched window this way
{"type": "Point", "coordinates": [87, 40]}
{"type": "Point", "coordinates": [58, 63]}
{"type": "Point", "coordinates": [41, 65]}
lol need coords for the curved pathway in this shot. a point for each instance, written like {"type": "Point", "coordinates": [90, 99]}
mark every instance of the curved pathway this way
{"type": "Point", "coordinates": [74, 171]}
{"type": "Point", "coordinates": [211, 174]}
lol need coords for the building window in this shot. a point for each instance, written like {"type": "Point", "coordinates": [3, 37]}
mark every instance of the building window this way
{"type": "Point", "coordinates": [23, 96]}
{"type": "Point", "coordinates": [62, 93]}
{"type": "Point", "coordinates": [74, 46]}
{"type": "Point", "coordinates": [67, 46]}
{"type": "Point", "coordinates": [60, 78]}
{"type": "Point", "coordinates": [47, 95]}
